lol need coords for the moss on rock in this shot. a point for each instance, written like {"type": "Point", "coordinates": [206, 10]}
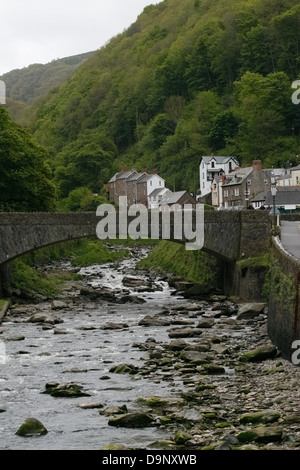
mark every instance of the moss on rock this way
{"type": "Point", "coordinates": [31, 427]}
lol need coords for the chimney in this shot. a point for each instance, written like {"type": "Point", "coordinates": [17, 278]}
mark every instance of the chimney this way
{"type": "Point", "coordinates": [223, 179]}
{"type": "Point", "coordinates": [124, 169]}
{"type": "Point", "coordinates": [155, 171]}
{"type": "Point", "coordinates": [144, 170]}
{"type": "Point", "coordinates": [257, 166]}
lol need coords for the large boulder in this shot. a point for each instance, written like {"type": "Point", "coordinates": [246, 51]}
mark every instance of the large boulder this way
{"type": "Point", "coordinates": [250, 310]}
{"type": "Point", "coordinates": [132, 420]}
{"type": "Point", "coordinates": [31, 427]}
{"type": "Point", "coordinates": [66, 390]}
{"type": "Point", "coordinates": [259, 354]}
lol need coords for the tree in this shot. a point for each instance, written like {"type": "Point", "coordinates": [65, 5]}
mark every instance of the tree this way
{"type": "Point", "coordinates": [25, 183]}
{"type": "Point", "coordinates": [86, 162]}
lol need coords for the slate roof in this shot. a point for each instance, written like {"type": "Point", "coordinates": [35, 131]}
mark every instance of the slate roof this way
{"type": "Point", "coordinates": [285, 195]}
{"type": "Point", "coordinates": [237, 176]}
{"type": "Point", "coordinates": [219, 159]}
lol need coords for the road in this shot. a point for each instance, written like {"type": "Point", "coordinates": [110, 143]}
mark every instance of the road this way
{"type": "Point", "coordinates": [290, 237]}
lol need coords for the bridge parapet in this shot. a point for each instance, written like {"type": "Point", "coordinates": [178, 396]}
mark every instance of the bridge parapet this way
{"type": "Point", "coordinates": [228, 235]}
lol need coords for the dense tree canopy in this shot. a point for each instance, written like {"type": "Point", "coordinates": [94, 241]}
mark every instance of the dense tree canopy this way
{"type": "Point", "coordinates": [25, 177]}
{"type": "Point", "coordinates": [189, 77]}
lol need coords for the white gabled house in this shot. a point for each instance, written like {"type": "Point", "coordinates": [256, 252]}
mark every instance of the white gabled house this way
{"type": "Point", "coordinates": [157, 196]}
{"type": "Point", "coordinates": [212, 166]}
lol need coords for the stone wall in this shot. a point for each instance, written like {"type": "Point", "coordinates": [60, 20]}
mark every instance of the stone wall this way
{"type": "Point", "coordinates": [284, 305]}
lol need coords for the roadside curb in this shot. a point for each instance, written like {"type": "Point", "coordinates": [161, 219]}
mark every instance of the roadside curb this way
{"type": "Point", "coordinates": [3, 311]}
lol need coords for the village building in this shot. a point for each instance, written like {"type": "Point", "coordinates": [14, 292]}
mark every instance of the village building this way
{"type": "Point", "coordinates": [132, 187]}
{"type": "Point", "coordinates": [136, 186]}
{"type": "Point", "coordinates": [287, 199]}
{"type": "Point", "coordinates": [243, 184]}
{"type": "Point", "coordinates": [212, 166]}
{"type": "Point", "coordinates": [179, 197]}
{"type": "Point", "coordinates": [117, 186]}
{"type": "Point", "coordinates": [157, 197]}
{"type": "Point", "coordinates": [295, 174]}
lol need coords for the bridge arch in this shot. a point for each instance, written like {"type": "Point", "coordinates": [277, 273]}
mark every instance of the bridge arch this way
{"type": "Point", "coordinates": [228, 235]}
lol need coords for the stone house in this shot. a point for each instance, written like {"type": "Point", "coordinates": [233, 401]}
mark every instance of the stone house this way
{"type": "Point", "coordinates": [136, 186]}
{"type": "Point", "coordinates": [117, 185]}
{"type": "Point", "coordinates": [243, 184]}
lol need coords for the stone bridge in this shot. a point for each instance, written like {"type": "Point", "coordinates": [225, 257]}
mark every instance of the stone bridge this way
{"type": "Point", "coordinates": [228, 235]}
{"type": "Point", "coordinates": [231, 236]}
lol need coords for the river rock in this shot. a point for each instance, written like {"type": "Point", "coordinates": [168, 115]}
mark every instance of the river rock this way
{"type": "Point", "coordinates": [31, 427]}
{"type": "Point", "coordinates": [250, 310]}
{"type": "Point", "coordinates": [184, 332]}
{"type": "Point", "coordinates": [124, 369]}
{"type": "Point", "coordinates": [206, 323]}
{"type": "Point", "coordinates": [194, 357]}
{"type": "Point", "coordinates": [114, 326]}
{"type": "Point", "coordinates": [91, 406]}
{"type": "Point", "coordinates": [58, 304]}
{"type": "Point", "coordinates": [67, 390]}
{"type": "Point", "coordinates": [128, 281]}
{"type": "Point", "coordinates": [16, 338]}
{"type": "Point", "coordinates": [114, 410]}
{"type": "Point", "coordinates": [44, 318]}
{"type": "Point", "coordinates": [259, 354]}
{"type": "Point", "coordinates": [132, 298]}
{"type": "Point", "coordinates": [261, 434]}
{"type": "Point", "coordinates": [132, 420]}
{"type": "Point", "coordinates": [177, 345]}
{"type": "Point", "coordinates": [104, 294]}
{"type": "Point", "coordinates": [260, 417]}
{"type": "Point", "coordinates": [154, 320]}
{"type": "Point", "coordinates": [60, 331]}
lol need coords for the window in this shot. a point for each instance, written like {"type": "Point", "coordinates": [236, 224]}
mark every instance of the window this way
{"type": "Point", "coordinates": [213, 164]}
{"type": "Point", "coordinates": [237, 192]}
{"type": "Point", "coordinates": [226, 193]}
{"type": "Point", "coordinates": [249, 182]}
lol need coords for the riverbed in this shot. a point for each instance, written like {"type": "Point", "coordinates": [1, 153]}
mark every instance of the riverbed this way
{"type": "Point", "coordinates": [79, 337]}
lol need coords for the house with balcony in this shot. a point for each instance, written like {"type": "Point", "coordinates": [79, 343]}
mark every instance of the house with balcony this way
{"type": "Point", "coordinates": [212, 166]}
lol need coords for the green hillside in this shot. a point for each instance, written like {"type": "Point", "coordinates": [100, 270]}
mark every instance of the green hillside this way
{"type": "Point", "coordinates": [37, 80]}
{"type": "Point", "coordinates": [188, 78]}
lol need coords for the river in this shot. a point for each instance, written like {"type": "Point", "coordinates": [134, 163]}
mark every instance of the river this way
{"type": "Point", "coordinates": [84, 355]}
{"type": "Point", "coordinates": [205, 386]}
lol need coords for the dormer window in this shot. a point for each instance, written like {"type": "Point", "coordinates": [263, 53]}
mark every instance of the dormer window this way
{"type": "Point", "coordinates": [213, 164]}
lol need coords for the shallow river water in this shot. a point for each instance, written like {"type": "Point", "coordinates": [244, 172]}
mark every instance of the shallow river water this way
{"type": "Point", "coordinates": [84, 355]}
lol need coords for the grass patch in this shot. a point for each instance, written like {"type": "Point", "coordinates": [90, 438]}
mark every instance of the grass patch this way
{"type": "Point", "coordinates": [32, 281]}
{"type": "Point", "coordinates": [173, 258]}
{"type": "Point", "coordinates": [95, 252]}
{"type": "Point", "coordinates": [257, 261]}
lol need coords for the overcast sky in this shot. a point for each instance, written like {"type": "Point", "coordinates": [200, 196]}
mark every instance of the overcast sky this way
{"type": "Point", "coordinates": [38, 31]}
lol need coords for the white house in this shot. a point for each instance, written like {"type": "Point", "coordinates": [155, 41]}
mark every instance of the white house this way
{"type": "Point", "coordinates": [157, 197]}
{"type": "Point", "coordinates": [214, 166]}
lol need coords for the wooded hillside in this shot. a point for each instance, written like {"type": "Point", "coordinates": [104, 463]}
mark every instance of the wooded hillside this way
{"type": "Point", "coordinates": [188, 78]}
